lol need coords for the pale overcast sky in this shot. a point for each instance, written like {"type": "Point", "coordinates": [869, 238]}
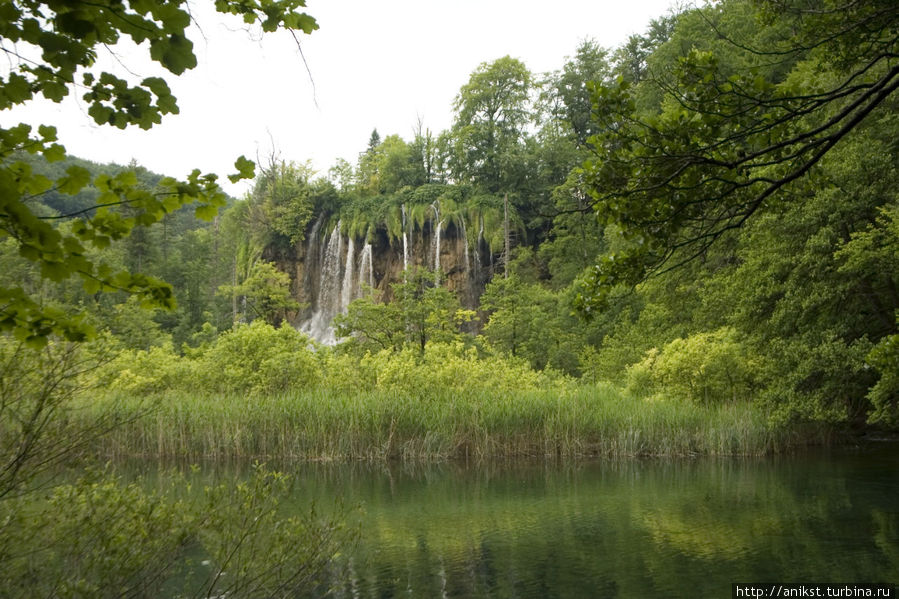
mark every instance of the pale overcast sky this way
{"type": "Point", "coordinates": [374, 64]}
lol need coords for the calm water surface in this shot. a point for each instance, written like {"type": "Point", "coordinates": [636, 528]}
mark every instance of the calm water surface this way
{"type": "Point", "coordinates": [637, 528]}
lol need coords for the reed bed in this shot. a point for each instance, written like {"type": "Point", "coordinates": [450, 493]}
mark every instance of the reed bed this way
{"type": "Point", "coordinates": [589, 421]}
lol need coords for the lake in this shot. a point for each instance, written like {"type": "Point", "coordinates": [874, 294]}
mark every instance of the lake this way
{"type": "Point", "coordinates": [633, 528]}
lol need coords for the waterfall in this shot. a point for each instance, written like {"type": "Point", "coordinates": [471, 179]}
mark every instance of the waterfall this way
{"type": "Point", "coordinates": [346, 294]}
{"type": "Point", "coordinates": [405, 241]}
{"type": "Point", "coordinates": [435, 243]}
{"type": "Point", "coordinates": [465, 248]}
{"type": "Point", "coordinates": [366, 271]}
{"type": "Point", "coordinates": [339, 249]}
{"type": "Point", "coordinates": [340, 282]}
{"type": "Point", "coordinates": [312, 255]}
{"type": "Point", "coordinates": [477, 247]}
{"type": "Point", "coordinates": [437, 246]}
{"type": "Point", "coordinates": [313, 235]}
{"type": "Point", "coordinates": [328, 299]}
{"type": "Point", "coordinates": [327, 303]}
{"type": "Point", "coordinates": [322, 250]}
{"type": "Point", "coordinates": [489, 252]}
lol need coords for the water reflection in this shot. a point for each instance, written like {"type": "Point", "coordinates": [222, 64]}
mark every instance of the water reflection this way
{"type": "Point", "coordinates": [620, 529]}
{"type": "Point", "coordinates": [612, 529]}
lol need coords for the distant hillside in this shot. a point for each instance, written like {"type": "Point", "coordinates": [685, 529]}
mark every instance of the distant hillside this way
{"type": "Point", "coordinates": [54, 203]}
{"type": "Point", "coordinates": [59, 203]}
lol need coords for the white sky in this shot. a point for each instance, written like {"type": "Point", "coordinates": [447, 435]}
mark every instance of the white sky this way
{"type": "Point", "coordinates": [374, 64]}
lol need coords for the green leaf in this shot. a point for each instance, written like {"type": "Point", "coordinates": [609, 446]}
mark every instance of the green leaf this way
{"type": "Point", "coordinates": [54, 90]}
{"type": "Point", "coordinates": [55, 271]}
{"type": "Point", "coordinates": [102, 115]}
{"type": "Point", "coordinates": [74, 181]}
{"type": "Point", "coordinates": [38, 341]}
{"type": "Point", "coordinates": [54, 153]}
{"type": "Point", "coordinates": [125, 179]}
{"type": "Point", "coordinates": [48, 133]}
{"type": "Point", "coordinates": [91, 286]}
{"type": "Point", "coordinates": [16, 90]}
{"type": "Point", "coordinates": [175, 53]}
{"type": "Point", "coordinates": [37, 185]}
{"type": "Point", "coordinates": [206, 212]}
{"type": "Point", "coordinates": [246, 169]}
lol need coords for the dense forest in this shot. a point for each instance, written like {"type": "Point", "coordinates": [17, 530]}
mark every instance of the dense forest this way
{"type": "Point", "coordinates": [684, 245]}
{"type": "Point", "coordinates": [662, 215]}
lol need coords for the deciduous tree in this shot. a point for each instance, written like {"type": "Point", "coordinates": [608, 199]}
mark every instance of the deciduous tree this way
{"type": "Point", "coordinates": [52, 48]}
{"type": "Point", "coordinates": [492, 111]}
{"type": "Point", "coordinates": [741, 119]}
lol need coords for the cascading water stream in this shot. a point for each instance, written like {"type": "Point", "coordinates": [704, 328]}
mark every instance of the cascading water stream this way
{"type": "Point", "coordinates": [313, 258]}
{"type": "Point", "coordinates": [327, 303]}
{"type": "Point", "coordinates": [405, 241]}
{"type": "Point", "coordinates": [336, 271]}
{"type": "Point", "coordinates": [435, 243]}
{"type": "Point", "coordinates": [366, 271]}
{"type": "Point", "coordinates": [437, 246]}
{"type": "Point", "coordinates": [477, 247]}
{"type": "Point", "coordinates": [465, 249]}
{"type": "Point", "coordinates": [349, 271]}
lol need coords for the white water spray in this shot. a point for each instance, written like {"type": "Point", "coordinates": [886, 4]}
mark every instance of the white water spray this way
{"type": "Point", "coordinates": [366, 271]}
{"type": "Point", "coordinates": [405, 241]}
{"type": "Point", "coordinates": [327, 303]}
{"type": "Point", "coordinates": [435, 242]}
{"type": "Point", "coordinates": [465, 248]}
{"type": "Point", "coordinates": [349, 271]}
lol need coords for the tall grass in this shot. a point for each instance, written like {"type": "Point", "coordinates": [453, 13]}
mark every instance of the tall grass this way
{"type": "Point", "coordinates": [382, 425]}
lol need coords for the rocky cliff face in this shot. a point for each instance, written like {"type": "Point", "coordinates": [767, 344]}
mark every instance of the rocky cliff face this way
{"type": "Point", "coordinates": [331, 268]}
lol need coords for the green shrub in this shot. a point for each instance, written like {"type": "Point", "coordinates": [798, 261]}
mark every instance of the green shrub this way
{"type": "Point", "coordinates": [451, 366]}
{"type": "Point", "coordinates": [38, 388]}
{"type": "Point", "coordinates": [102, 537]}
{"type": "Point", "coordinates": [255, 358]}
{"type": "Point", "coordinates": [97, 537]}
{"type": "Point", "coordinates": [345, 373]}
{"type": "Point", "coordinates": [884, 395]}
{"type": "Point", "coordinates": [634, 332]}
{"type": "Point", "coordinates": [142, 372]}
{"type": "Point", "coordinates": [258, 358]}
{"type": "Point", "coordinates": [703, 368]}
{"type": "Point", "coordinates": [817, 377]}
{"type": "Point", "coordinates": [639, 377]}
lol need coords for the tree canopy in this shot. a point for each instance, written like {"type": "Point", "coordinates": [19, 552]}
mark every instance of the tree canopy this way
{"type": "Point", "coordinates": [719, 190]}
{"type": "Point", "coordinates": [737, 115]}
{"type": "Point", "coordinates": [491, 113]}
{"type": "Point", "coordinates": [52, 48]}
